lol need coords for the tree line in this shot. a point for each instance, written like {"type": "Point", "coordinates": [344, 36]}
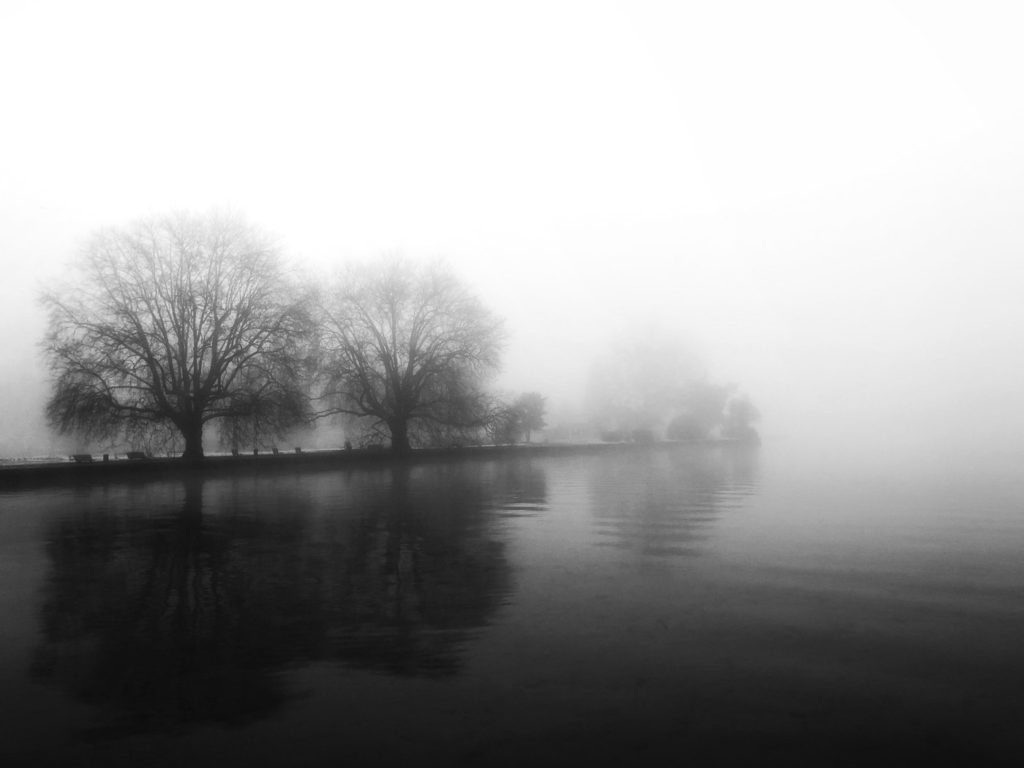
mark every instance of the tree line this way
{"type": "Point", "coordinates": [178, 325]}
{"type": "Point", "coordinates": [181, 322]}
{"type": "Point", "coordinates": [650, 383]}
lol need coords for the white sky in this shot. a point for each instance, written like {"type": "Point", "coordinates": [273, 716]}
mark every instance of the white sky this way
{"type": "Point", "coordinates": [826, 197]}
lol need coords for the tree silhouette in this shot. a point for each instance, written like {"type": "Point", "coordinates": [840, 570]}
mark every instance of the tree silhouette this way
{"type": "Point", "coordinates": [407, 348]}
{"type": "Point", "coordinates": [173, 323]}
{"type": "Point", "coordinates": [531, 408]}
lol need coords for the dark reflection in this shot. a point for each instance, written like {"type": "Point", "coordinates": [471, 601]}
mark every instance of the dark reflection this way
{"type": "Point", "coordinates": [421, 573]}
{"type": "Point", "coordinates": [665, 501]}
{"type": "Point", "coordinates": [521, 488]}
{"type": "Point", "coordinates": [167, 616]}
{"type": "Point", "coordinates": [187, 614]}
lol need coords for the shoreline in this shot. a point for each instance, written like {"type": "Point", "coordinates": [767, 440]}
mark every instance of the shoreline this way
{"type": "Point", "coordinates": [17, 476]}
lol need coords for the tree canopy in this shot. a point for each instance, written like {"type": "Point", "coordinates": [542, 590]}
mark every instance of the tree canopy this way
{"type": "Point", "coordinates": [516, 420]}
{"type": "Point", "coordinates": [530, 406]}
{"type": "Point", "coordinates": [651, 383]}
{"type": "Point", "coordinates": [407, 349]}
{"type": "Point", "coordinates": [635, 386]}
{"type": "Point", "coordinates": [175, 322]}
{"type": "Point", "coordinates": [738, 420]}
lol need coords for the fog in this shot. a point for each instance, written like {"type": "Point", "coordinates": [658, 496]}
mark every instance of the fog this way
{"type": "Point", "coordinates": [823, 202]}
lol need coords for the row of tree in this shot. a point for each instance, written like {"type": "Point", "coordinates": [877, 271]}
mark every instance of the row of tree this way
{"type": "Point", "coordinates": [650, 383]}
{"type": "Point", "coordinates": [187, 322]}
{"type": "Point", "coordinates": [180, 322]}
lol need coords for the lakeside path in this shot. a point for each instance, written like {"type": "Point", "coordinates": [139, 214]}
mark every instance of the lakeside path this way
{"type": "Point", "coordinates": [16, 476]}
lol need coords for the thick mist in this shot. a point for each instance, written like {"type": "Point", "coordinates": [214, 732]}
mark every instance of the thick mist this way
{"type": "Point", "coordinates": [822, 205]}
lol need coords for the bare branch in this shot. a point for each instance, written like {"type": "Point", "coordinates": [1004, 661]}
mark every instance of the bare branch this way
{"type": "Point", "coordinates": [179, 321]}
{"type": "Point", "coordinates": [409, 347]}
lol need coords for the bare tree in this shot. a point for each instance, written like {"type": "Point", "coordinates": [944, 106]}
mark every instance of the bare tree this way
{"type": "Point", "coordinates": [505, 424]}
{"type": "Point", "coordinates": [407, 348]}
{"type": "Point", "coordinates": [530, 406]}
{"type": "Point", "coordinates": [172, 323]}
{"type": "Point", "coordinates": [511, 421]}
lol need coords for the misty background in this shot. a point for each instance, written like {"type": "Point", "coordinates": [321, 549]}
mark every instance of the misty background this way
{"type": "Point", "coordinates": [823, 202]}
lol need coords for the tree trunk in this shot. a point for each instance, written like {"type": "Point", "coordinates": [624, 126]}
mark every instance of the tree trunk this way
{"type": "Point", "coordinates": [193, 434]}
{"type": "Point", "coordinates": [399, 436]}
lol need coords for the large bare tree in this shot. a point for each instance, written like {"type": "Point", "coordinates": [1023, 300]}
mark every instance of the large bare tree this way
{"type": "Point", "coordinates": [407, 349]}
{"type": "Point", "coordinates": [172, 323]}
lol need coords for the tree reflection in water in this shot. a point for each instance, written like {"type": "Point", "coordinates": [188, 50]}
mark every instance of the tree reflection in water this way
{"type": "Point", "coordinates": [420, 573]}
{"type": "Point", "coordinates": [189, 616]}
{"type": "Point", "coordinates": [666, 500]}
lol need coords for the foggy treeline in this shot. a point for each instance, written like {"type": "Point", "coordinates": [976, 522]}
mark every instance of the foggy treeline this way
{"type": "Point", "coordinates": [179, 326]}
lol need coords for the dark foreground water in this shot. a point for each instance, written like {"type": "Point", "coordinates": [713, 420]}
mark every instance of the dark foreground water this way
{"type": "Point", "coordinates": [702, 605]}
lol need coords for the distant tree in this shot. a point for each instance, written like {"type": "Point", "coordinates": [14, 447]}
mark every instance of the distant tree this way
{"type": "Point", "coordinates": [740, 414]}
{"type": "Point", "coordinates": [505, 424]}
{"type": "Point", "coordinates": [700, 404]}
{"type": "Point", "coordinates": [510, 422]}
{"type": "Point", "coordinates": [636, 385]}
{"type": "Point", "coordinates": [530, 406]}
{"type": "Point", "coordinates": [172, 323]}
{"type": "Point", "coordinates": [407, 348]}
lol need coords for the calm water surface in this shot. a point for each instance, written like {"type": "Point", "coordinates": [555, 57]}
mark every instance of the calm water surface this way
{"type": "Point", "coordinates": [703, 603]}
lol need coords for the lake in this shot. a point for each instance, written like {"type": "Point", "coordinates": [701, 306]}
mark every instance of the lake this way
{"type": "Point", "coordinates": [705, 603]}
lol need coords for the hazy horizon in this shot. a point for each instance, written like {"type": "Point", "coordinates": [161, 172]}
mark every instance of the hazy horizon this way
{"type": "Point", "coordinates": [825, 202]}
